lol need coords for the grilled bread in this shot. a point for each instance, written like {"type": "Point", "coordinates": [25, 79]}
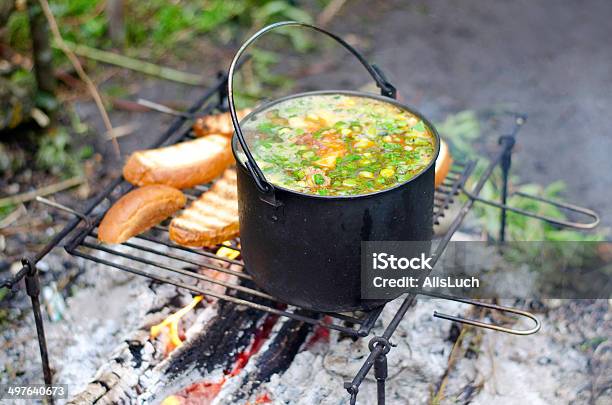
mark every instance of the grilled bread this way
{"type": "Point", "coordinates": [217, 124]}
{"type": "Point", "coordinates": [443, 163]}
{"type": "Point", "coordinates": [212, 218]}
{"type": "Point", "coordinates": [183, 165]}
{"type": "Point", "coordinates": [139, 210]}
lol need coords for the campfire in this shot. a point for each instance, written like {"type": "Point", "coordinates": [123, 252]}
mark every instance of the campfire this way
{"type": "Point", "coordinates": [227, 337]}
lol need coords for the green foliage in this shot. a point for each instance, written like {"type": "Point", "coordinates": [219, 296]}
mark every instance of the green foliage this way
{"type": "Point", "coordinates": [156, 26]}
{"type": "Point", "coordinates": [23, 78]}
{"type": "Point", "coordinates": [18, 32]}
{"type": "Point", "coordinates": [462, 131]}
{"type": "Point", "coordinates": [6, 209]}
{"type": "Point", "coordinates": [159, 27]}
{"type": "Point", "coordinates": [592, 344]}
{"type": "Point", "coordinates": [86, 152]}
{"type": "Point", "coordinates": [55, 154]}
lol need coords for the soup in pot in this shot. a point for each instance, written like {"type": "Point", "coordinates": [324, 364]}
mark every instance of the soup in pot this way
{"type": "Point", "coordinates": [339, 144]}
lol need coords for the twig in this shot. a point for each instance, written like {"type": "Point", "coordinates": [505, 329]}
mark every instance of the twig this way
{"type": "Point", "coordinates": [134, 64]}
{"type": "Point", "coordinates": [46, 190]}
{"type": "Point", "coordinates": [329, 12]}
{"type": "Point", "coordinates": [452, 358]}
{"type": "Point", "coordinates": [163, 108]}
{"type": "Point", "coordinates": [455, 354]}
{"type": "Point", "coordinates": [124, 130]}
{"type": "Point", "coordinates": [13, 216]}
{"type": "Point", "coordinates": [79, 69]}
{"type": "Point", "coordinates": [21, 229]}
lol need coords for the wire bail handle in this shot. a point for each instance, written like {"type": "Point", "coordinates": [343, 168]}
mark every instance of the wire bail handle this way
{"type": "Point", "coordinates": [386, 89]}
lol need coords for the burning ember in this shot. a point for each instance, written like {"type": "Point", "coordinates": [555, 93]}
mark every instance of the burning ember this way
{"type": "Point", "coordinates": [319, 335]}
{"type": "Point", "coordinates": [169, 327]}
{"type": "Point", "coordinates": [204, 392]}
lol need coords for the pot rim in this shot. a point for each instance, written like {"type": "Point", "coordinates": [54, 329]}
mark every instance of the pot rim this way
{"type": "Point", "coordinates": [267, 105]}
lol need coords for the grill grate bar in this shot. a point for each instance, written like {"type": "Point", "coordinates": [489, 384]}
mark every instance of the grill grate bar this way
{"type": "Point", "coordinates": [204, 253]}
{"type": "Point", "coordinates": [225, 297]}
{"type": "Point", "coordinates": [183, 259]}
{"type": "Point", "coordinates": [173, 259]}
{"type": "Point", "coordinates": [445, 194]}
{"type": "Point", "coordinates": [179, 270]}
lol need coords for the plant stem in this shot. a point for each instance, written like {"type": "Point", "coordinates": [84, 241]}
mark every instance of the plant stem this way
{"type": "Point", "coordinates": [116, 24]}
{"type": "Point", "coordinates": [46, 190]}
{"type": "Point", "coordinates": [91, 87]}
{"type": "Point", "coordinates": [41, 49]}
{"type": "Point", "coordinates": [135, 64]}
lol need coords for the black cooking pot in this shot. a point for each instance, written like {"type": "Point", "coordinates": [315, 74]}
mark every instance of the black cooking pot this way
{"type": "Point", "coordinates": [305, 249]}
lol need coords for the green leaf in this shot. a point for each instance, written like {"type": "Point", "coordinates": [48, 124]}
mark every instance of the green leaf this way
{"type": "Point", "coordinates": [86, 152]}
{"type": "Point", "coordinates": [420, 127]}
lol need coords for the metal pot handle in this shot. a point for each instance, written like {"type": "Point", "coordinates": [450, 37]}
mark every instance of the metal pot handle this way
{"type": "Point", "coordinates": [262, 184]}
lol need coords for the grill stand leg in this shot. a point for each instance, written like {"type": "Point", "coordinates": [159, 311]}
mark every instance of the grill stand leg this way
{"type": "Point", "coordinates": [380, 373]}
{"type": "Point", "coordinates": [223, 101]}
{"type": "Point", "coordinates": [507, 142]}
{"type": "Point", "coordinates": [32, 283]}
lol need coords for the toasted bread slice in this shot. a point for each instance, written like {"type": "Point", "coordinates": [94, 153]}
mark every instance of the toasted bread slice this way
{"type": "Point", "coordinates": [183, 165]}
{"type": "Point", "coordinates": [212, 218]}
{"type": "Point", "coordinates": [217, 124]}
{"type": "Point", "coordinates": [139, 210]}
{"type": "Point", "coordinates": [443, 163]}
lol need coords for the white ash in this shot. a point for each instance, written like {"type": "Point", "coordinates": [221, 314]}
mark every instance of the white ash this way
{"type": "Point", "coordinates": [95, 321]}
{"type": "Point", "coordinates": [317, 375]}
{"type": "Point", "coordinates": [552, 366]}
{"type": "Point", "coordinates": [549, 367]}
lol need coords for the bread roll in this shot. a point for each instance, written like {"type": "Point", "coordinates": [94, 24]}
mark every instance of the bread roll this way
{"type": "Point", "coordinates": [183, 165]}
{"type": "Point", "coordinates": [212, 218]}
{"type": "Point", "coordinates": [443, 163]}
{"type": "Point", "coordinates": [139, 210]}
{"type": "Point", "coordinates": [217, 123]}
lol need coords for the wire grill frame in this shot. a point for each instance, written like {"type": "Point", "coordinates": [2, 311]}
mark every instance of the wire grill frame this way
{"type": "Point", "coordinates": [153, 255]}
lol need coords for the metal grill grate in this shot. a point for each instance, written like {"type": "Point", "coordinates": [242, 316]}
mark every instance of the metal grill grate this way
{"type": "Point", "coordinates": [203, 271]}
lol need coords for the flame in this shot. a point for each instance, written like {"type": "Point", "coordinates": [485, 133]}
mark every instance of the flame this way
{"type": "Point", "coordinates": [202, 393]}
{"type": "Point", "coordinates": [172, 400]}
{"type": "Point", "coordinates": [228, 252]}
{"type": "Point", "coordinates": [205, 392]}
{"type": "Point", "coordinates": [168, 328]}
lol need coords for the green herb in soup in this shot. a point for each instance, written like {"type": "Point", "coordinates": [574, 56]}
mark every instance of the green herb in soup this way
{"type": "Point", "coordinates": [338, 144]}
